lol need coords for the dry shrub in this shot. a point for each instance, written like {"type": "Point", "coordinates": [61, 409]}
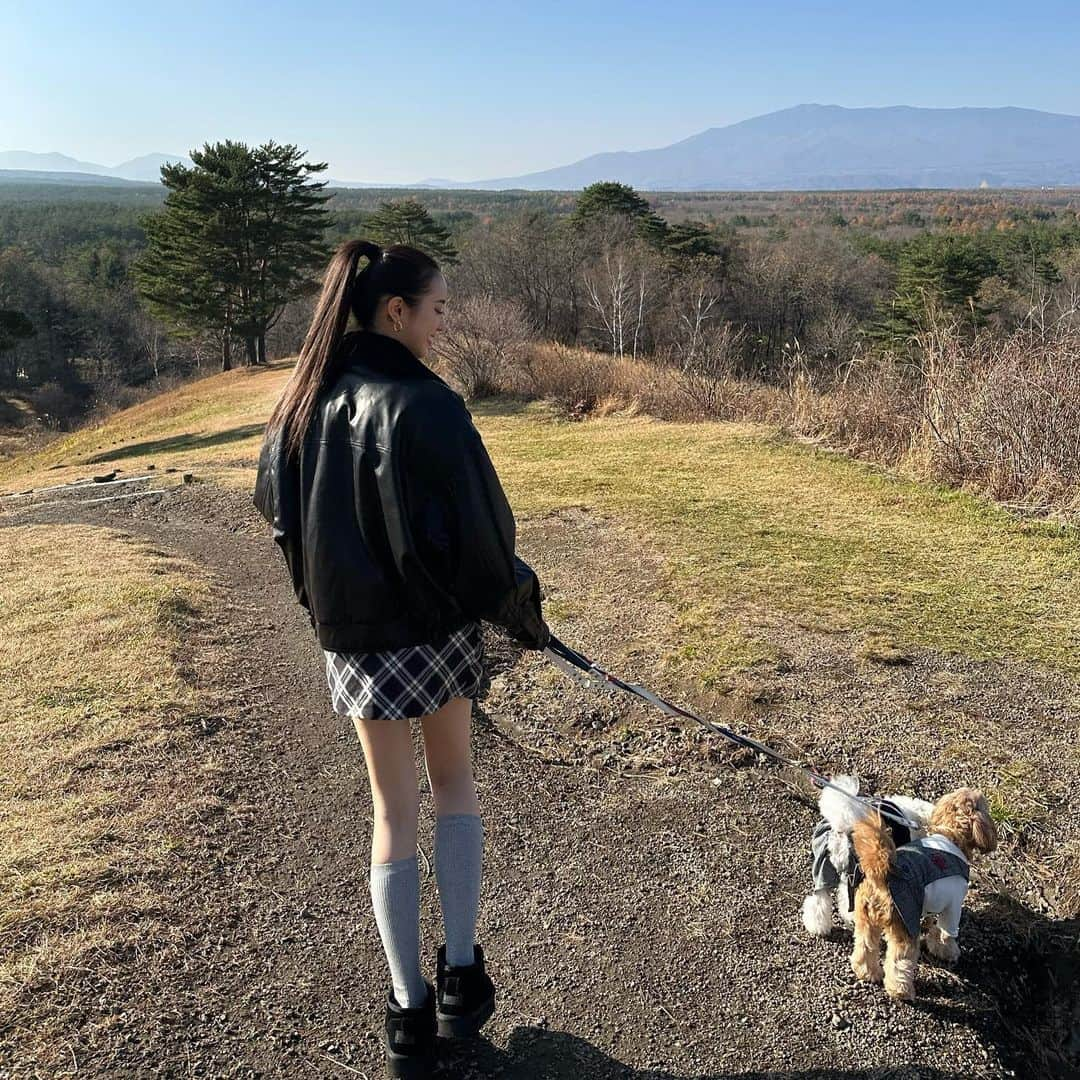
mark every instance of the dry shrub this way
{"type": "Point", "coordinates": [575, 380]}
{"type": "Point", "coordinates": [1003, 413]}
{"type": "Point", "coordinates": [870, 409]}
{"type": "Point", "coordinates": [583, 382]}
{"type": "Point", "coordinates": [641, 386]}
{"type": "Point", "coordinates": [485, 341]}
{"type": "Point", "coordinates": [708, 386]}
{"type": "Point", "coordinates": [731, 398]}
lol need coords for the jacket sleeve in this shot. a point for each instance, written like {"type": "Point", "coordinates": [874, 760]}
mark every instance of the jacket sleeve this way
{"type": "Point", "coordinates": [277, 498]}
{"type": "Point", "coordinates": [471, 546]}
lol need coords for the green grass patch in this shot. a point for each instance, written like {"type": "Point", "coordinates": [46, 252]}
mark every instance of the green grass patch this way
{"type": "Point", "coordinates": [749, 520]}
{"type": "Point", "coordinates": [1019, 800]}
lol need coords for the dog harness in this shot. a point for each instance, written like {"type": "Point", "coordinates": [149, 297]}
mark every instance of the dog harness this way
{"type": "Point", "coordinates": [827, 874]}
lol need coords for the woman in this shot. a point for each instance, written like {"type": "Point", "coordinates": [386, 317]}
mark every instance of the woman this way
{"type": "Point", "coordinates": [399, 540]}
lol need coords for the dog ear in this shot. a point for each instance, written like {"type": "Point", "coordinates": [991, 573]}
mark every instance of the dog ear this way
{"type": "Point", "coordinates": [983, 830]}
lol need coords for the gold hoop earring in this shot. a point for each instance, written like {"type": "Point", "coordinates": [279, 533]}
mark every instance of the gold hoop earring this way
{"type": "Point", "coordinates": [397, 328]}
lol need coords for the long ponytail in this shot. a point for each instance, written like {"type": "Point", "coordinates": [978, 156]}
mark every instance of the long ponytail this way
{"type": "Point", "coordinates": [296, 405]}
{"type": "Point", "coordinates": [398, 271]}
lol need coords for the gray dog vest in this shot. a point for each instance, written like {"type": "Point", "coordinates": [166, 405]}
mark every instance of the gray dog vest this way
{"type": "Point", "coordinates": [916, 867]}
{"type": "Point", "coordinates": [826, 875]}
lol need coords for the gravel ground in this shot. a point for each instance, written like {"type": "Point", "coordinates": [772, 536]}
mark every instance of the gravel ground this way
{"type": "Point", "coordinates": [641, 881]}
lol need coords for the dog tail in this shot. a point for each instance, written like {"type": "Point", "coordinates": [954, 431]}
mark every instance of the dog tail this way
{"type": "Point", "coordinates": [837, 809]}
{"type": "Point", "coordinates": [874, 848]}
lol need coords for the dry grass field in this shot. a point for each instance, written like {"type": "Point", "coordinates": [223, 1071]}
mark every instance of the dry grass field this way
{"type": "Point", "coordinates": [739, 548]}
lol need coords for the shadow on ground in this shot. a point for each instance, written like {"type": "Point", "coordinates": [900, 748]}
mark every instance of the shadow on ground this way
{"type": "Point", "coordinates": [535, 1053]}
{"type": "Point", "coordinates": [498, 406]}
{"type": "Point", "coordinates": [177, 442]}
{"type": "Point", "coordinates": [1029, 968]}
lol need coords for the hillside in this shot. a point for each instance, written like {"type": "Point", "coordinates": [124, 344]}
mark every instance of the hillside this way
{"type": "Point", "coordinates": [640, 905]}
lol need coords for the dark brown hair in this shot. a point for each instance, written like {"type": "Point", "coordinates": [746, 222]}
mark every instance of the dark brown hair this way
{"type": "Point", "coordinates": [398, 271]}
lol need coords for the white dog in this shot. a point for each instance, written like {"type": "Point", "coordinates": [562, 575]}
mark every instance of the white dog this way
{"type": "Point", "coordinates": [834, 855]}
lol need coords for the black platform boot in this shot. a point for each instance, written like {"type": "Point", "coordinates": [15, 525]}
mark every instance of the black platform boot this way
{"type": "Point", "coordinates": [465, 996]}
{"type": "Point", "coordinates": [409, 1037]}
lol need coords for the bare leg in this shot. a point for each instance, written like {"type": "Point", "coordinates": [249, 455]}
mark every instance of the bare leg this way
{"type": "Point", "coordinates": [395, 797]}
{"type": "Point", "coordinates": [448, 758]}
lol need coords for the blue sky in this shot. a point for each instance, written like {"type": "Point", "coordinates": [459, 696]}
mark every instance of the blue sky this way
{"type": "Point", "coordinates": [398, 91]}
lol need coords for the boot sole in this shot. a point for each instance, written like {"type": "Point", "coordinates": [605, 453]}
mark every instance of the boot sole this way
{"type": "Point", "coordinates": [463, 1027]}
{"type": "Point", "coordinates": [408, 1067]}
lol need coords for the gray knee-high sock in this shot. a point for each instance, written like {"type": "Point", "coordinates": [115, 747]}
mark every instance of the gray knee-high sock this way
{"type": "Point", "coordinates": [459, 850]}
{"type": "Point", "coordinates": [395, 895]}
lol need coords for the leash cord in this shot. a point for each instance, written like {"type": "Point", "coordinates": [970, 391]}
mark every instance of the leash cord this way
{"type": "Point", "coordinates": [585, 671]}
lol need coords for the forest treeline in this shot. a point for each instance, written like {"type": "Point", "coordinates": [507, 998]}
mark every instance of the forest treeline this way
{"type": "Point", "coordinates": [749, 301]}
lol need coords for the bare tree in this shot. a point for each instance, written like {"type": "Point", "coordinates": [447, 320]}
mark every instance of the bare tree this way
{"type": "Point", "coordinates": [484, 343]}
{"type": "Point", "coordinates": [530, 259]}
{"type": "Point", "coordinates": [608, 287]}
{"type": "Point", "coordinates": [695, 304]}
{"type": "Point", "coordinates": [621, 284]}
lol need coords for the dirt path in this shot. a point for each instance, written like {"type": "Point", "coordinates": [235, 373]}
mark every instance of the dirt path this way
{"type": "Point", "coordinates": [637, 925]}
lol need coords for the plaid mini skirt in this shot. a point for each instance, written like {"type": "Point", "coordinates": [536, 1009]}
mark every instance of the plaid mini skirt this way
{"type": "Point", "coordinates": [410, 682]}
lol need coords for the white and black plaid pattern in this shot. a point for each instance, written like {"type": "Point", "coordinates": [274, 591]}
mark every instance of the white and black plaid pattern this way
{"type": "Point", "coordinates": [409, 682]}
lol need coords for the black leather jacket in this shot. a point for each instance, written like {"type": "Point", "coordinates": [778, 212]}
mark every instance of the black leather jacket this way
{"type": "Point", "coordinates": [393, 523]}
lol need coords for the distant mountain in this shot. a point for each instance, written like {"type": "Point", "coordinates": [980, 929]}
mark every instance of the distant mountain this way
{"type": "Point", "coordinates": [24, 160]}
{"type": "Point", "coordinates": [36, 176]}
{"type": "Point", "coordinates": [332, 183]}
{"type": "Point", "coordinates": [24, 166]}
{"type": "Point", "coordinates": [146, 168]}
{"type": "Point", "coordinates": [806, 147]}
{"type": "Point", "coordinates": [812, 147]}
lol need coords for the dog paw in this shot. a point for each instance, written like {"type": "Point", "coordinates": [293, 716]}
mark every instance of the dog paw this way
{"type": "Point", "coordinates": [942, 946]}
{"type": "Point", "coordinates": [817, 913]}
{"type": "Point", "coordinates": [867, 970]}
{"type": "Point", "coordinates": [899, 991]}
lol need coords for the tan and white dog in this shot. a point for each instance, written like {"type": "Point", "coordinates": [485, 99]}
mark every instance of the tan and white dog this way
{"type": "Point", "coordinates": [834, 856]}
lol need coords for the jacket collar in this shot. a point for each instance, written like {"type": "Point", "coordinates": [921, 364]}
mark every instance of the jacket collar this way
{"type": "Point", "coordinates": [378, 352]}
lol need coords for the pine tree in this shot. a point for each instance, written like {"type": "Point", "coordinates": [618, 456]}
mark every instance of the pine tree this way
{"type": "Point", "coordinates": [407, 221]}
{"type": "Point", "coordinates": [610, 198]}
{"type": "Point", "coordinates": [937, 272]}
{"type": "Point", "coordinates": [691, 240]}
{"type": "Point", "coordinates": [240, 236]}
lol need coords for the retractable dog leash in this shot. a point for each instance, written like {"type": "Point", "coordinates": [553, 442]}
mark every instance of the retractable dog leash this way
{"type": "Point", "coordinates": [587, 672]}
